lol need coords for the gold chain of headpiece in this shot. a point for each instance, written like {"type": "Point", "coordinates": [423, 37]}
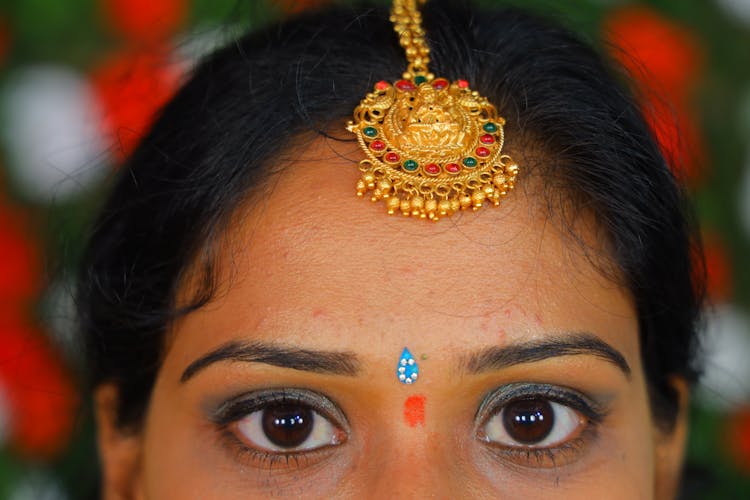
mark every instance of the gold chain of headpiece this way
{"type": "Point", "coordinates": [432, 147]}
{"type": "Point", "coordinates": [407, 22]}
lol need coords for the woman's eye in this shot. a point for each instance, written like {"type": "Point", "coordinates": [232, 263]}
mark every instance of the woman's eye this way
{"type": "Point", "coordinates": [533, 423]}
{"type": "Point", "coordinates": [281, 429]}
{"type": "Point", "coordinates": [287, 427]}
{"type": "Point", "coordinates": [540, 425]}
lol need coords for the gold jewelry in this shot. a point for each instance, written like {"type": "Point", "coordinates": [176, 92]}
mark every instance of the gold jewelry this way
{"type": "Point", "coordinates": [432, 147]}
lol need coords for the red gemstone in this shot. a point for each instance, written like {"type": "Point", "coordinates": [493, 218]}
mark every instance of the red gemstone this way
{"type": "Point", "coordinates": [440, 84]}
{"type": "Point", "coordinates": [405, 85]}
{"type": "Point", "coordinates": [483, 152]}
{"type": "Point", "coordinates": [382, 85]}
{"type": "Point", "coordinates": [464, 84]}
{"type": "Point", "coordinates": [377, 145]}
{"type": "Point", "coordinates": [392, 157]}
{"type": "Point", "coordinates": [453, 168]}
{"type": "Point", "coordinates": [432, 169]}
{"type": "Point", "coordinates": [487, 139]}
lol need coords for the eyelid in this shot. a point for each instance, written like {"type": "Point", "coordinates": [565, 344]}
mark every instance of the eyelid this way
{"type": "Point", "coordinates": [240, 406]}
{"type": "Point", "coordinates": [594, 410]}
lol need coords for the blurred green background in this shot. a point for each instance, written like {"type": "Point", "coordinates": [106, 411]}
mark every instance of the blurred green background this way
{"type": "Point", "coordinates": [80, 80]}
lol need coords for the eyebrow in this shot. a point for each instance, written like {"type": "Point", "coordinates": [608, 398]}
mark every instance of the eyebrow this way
{"type": "Point", "coordinates": [497, 358]}
{"type": "Point", "coordinates": [324, 362]}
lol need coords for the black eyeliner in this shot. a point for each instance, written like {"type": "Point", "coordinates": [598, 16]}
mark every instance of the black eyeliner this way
{"type": "Point", "coordinates": [240, 406]}
{"type": "Point", "coordinates": [592, 409]}
{"type": "Point", "coordinates": [234, 409]}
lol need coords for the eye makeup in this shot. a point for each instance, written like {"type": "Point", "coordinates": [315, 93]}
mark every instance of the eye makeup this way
{"type": "Point", "coordinates": [239, 406]}
{"type": "Point", "coordinates": [539, 425]}
{"type": "Point", "coordinates": [286, 428]}
{"type": "Point", "coordinates": [534, 425]}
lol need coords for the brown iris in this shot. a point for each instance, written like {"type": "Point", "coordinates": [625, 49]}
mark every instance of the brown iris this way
{"type": "Point", "coordinates": [528, 421]}
{"type": "Point", "coordinates": [287, 425]}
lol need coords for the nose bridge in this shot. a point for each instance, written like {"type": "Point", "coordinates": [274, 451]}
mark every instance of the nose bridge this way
{"type": "Point", "coordinates": [418, 467]}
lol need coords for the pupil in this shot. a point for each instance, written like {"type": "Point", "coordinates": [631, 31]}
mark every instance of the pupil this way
{"type": "Point", "coordinates": [528, 421]}
{"type": "Point", "coordinates": [287, 426]}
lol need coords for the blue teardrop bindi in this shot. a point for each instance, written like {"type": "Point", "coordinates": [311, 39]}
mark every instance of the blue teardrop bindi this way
{"type": "Point", "coordinates": [407, 370]}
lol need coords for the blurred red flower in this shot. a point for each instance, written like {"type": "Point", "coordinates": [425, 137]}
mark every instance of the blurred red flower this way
{"type": "Point", "coordinates": [658, 52]}
{"type": "Point", "coordinates": [737, 438]}
{"type": "Point", "coordinates": [295, 6]}
{"type": "Point", "coordinates": [4, 39]}
{"type": "Point", "coordinates": [20, 275]}
{"type": "Point", "coordinates": [666, 61]}
{"type": "Point", "coordinates": [132, 86]}
{"type": "Point", "coordinates": [718, 269]}
{"type": "Point", "coordinates": [41, 396]}
{"type": "Point", "coordinates": [38, 392]}
{"type": "Point", "coordinates": [145, 21]}
{"type": "Point", "coordinates": [676, 128]}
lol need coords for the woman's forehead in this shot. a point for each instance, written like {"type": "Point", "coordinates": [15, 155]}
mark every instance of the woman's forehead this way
{"type": "Point", "coordinates": [310, 260]}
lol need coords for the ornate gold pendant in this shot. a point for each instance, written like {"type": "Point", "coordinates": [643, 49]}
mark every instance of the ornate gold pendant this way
{"type": "Point", "coordinates": [432, 148]}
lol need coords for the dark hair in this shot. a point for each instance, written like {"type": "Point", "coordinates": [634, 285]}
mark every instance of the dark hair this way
{"type": "Point", "coordinates": [220, 136]}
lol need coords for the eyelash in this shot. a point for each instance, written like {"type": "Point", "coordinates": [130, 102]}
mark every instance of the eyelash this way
{"type": "Point", "coordinates": [550, 456]}
{"type": "Point", "coordinates": [227, 416]}
{"type": "Point", "coordinates": [232, 411]}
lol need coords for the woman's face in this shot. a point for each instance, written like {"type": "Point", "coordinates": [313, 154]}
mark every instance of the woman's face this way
{"type": "Point", "coordinates": [530, 379]}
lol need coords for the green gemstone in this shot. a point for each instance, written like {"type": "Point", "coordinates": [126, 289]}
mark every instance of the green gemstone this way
{"type": "Point", "coordinates": [410, 165]}
{"type": "Point", "coordinates": [370, 131]}
{"type": "Point", "coordinates": [470, 161]}
{"type": "Point", "coordinates": [490, 128]}
{"type": "Point", "coordinates": [419, 80]}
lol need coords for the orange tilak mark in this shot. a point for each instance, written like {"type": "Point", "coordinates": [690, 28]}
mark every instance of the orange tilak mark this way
{"type": "Point", "coordinates": [414, 410]}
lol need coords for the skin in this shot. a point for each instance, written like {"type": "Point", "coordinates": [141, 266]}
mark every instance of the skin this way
{"type": "Point", "coordinates": [309, 265]}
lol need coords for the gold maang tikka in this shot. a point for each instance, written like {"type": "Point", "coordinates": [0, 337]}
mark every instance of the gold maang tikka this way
{"type": "Point", "coordinates": [433, 147]}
